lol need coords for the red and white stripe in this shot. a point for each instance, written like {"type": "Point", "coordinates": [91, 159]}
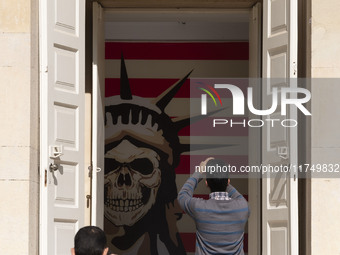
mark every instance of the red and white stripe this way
{"type": "Point", "coordinates": [154, 66]}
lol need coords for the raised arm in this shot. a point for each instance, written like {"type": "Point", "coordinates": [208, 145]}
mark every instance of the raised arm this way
{"type": "Point", "coordinates": [185, 195]}
{"type": "Point", "coordinates": [232, 192]}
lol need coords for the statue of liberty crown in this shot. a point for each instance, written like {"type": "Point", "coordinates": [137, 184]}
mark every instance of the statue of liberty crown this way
{"type": "Point", "coordinates": [144, 120]}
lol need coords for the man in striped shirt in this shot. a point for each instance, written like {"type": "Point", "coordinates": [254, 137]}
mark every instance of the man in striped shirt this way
{"type": "Point", "coordinates": [220, 221]}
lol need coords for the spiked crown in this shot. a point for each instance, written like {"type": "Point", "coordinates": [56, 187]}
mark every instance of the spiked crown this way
{"type": "Point", "coordinates": [145, 120]}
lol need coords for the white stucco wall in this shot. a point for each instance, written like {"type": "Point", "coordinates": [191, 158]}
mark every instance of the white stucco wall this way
{"type": "Point", "coordinates": [325, 61]}
{"type": "Point", "coordinates": [19, 142]}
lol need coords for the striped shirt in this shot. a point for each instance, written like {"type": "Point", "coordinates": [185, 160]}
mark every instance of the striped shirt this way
{"type": "Point", "coordinates": [220, 222]}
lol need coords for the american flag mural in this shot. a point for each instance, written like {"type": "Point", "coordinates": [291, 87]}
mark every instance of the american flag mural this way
{"type": "Point", "coordinates": [153, 67]}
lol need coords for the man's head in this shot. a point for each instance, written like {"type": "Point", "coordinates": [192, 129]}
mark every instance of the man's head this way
{"type": "Point", "coordinates": [217, 178]}
{"type": "Point", "coordinates": [90, 240]}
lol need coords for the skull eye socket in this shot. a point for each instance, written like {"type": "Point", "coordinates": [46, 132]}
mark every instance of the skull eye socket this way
{"type": "Point", "coordinates": [111, 165]}
{"type": "Point", "coordinates": [142, 165]}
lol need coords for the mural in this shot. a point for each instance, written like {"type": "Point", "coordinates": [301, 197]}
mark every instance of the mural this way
{"type": "Point", "coordinates": [142, 150]}
{"type": "Point", "coordinates": [153, 68]}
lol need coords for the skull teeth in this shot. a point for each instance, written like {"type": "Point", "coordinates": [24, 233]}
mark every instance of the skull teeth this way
{"type": "Point", "coordinates": [123, 195]}
{"type": "Point", "coordinates": [120, 205]}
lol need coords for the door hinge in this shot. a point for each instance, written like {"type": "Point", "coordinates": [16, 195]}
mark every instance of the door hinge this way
{"type": "Point", "coordinates": [45, 181]}
{"type": "Point", "coordinates": [90, 168]}
{"type": "Point", "coordinates": [88, 199]}
{"type": "Point", "coordinates": [98, 169]}
{"type": "Point", "coordinates": [255, 11]}
{"type": "Point", "coordinates": [100, 13]}
{"type": "Point", "coordinates": [294, 68]}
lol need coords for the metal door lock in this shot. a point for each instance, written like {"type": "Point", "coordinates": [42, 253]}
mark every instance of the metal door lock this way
{"type": "Point", "coordinates": [53, 167]}
{"type": "Point", "coordinates": [56, 151]}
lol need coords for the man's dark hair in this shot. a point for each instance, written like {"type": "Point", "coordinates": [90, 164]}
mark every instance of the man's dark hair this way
{"type": "Point", "coordinates": [218, 179]}
{"type": "Point", "coordinates": [89, 240]}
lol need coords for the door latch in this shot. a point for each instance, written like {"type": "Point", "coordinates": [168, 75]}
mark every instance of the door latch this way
{"type": "Point", "coordinates": [53, 167]}
{"type": "Point", "coordinates": [56, 151]}
{"type": "Point", "coordinates": [282, 152]}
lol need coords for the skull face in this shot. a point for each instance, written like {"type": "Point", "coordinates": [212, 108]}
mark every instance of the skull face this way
{"type": "Point", "coordinates": [132, 179]}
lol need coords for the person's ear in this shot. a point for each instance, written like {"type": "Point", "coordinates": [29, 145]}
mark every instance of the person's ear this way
{"type": "Point", "coordinates": [106, 250]}
{"type": "Point", "coordinates": [206, 183]}
{"type": "Point", "coordinates": [73, 252]}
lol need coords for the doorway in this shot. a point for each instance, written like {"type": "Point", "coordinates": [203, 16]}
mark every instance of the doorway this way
{"type": "Point", "coordinates": [62, 57]}
{"type": "Point", "coordinates": [160, 47]}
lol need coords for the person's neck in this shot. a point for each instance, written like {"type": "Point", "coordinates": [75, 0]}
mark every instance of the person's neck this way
{"type": "Point", "coordinates": [211, 191]}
